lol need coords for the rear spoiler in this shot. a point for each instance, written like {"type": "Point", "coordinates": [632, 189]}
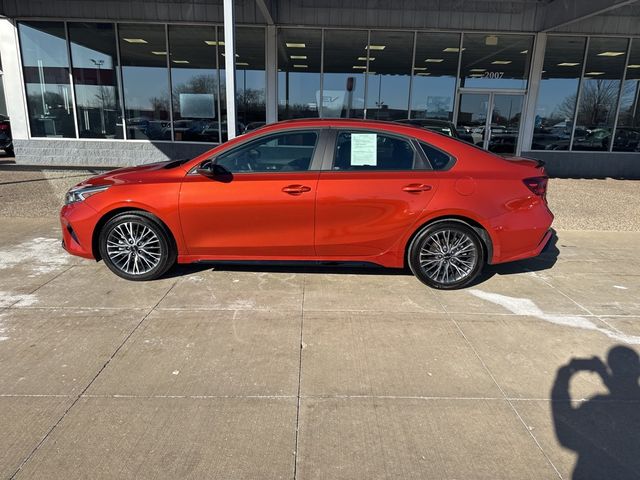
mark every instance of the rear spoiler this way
{"type": "Point", "coordinates": [539, 163]}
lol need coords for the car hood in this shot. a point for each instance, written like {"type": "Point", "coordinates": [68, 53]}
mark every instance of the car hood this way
{"type": "Point", "coordinates": [139, 174]}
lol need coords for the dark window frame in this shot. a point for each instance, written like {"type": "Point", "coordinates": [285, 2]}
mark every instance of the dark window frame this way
{"type": "Point", "coordinates": [447, 166]}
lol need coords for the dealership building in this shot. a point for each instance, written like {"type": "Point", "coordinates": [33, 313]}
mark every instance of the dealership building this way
{"type": "Point", "coordinates": [117, 82]}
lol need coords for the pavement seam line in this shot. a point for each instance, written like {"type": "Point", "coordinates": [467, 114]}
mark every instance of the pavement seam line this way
{"type": "Point", "coordinates": [589, 312]}
{"type": "Point", "coordinates": [301, 347]}
{"type": "Point", "coordinates": [504, 395]}
{"type": "Point", "coordinates": [39, 287]}
{"type": "Point", "coordinates": [507, 399]}
{"type": "Point", "coordinates": [80, 395]}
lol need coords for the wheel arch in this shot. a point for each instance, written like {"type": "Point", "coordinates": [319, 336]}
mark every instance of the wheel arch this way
{"type": "Point", "coordinates": [481, 231]}
{"type": "Point", "coordinates": [95, 248]}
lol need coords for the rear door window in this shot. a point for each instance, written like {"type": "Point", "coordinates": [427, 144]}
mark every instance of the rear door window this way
{"type": "Point", "coordinates": [356, 151]}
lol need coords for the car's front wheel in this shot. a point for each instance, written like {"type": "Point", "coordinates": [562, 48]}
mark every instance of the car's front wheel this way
{"type": "Point", "coordinates": [446, 255]}
{"type": "Point", "coordinates": [136, 246]}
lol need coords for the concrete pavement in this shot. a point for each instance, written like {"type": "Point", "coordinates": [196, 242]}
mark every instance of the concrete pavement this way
{"type": "Point", "coordinates": [284, 372]}
{"type": "Point", "coordinates": [260, 372]}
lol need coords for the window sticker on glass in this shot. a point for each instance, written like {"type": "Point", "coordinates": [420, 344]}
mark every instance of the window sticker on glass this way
{"type": "Point", "coordinates": [364, 149]}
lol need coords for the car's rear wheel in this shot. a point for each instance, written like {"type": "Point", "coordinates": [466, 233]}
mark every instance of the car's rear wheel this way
{"type": "Point", "coordinates": [446, 255]}
{"type": "Point", "coordinates": [136, 246]}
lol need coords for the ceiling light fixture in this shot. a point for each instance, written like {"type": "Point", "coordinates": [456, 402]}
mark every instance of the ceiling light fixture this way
{"type": "Point", "coordinates": [434, 60]}
{"type": "Point", "coordinates": [213, 43]}
{"type": "Point", "coordinates": [610, 54]}
{"type": "Point", "coordinates": [633, 66]}
{"type": "Point", "coordinates": [419, 68]}
{"type": "Point", "coordinates": [424, 74]}
{"type": "Point", "coordinates": [452, 49]}
{"type": "Point", "coordinates": [524, 51]}
{"type": "Point", "coordinates": [158, 53]}
{"type": "Point", "coordinates": [501, 62]}
{"type": "Point", "coordinates": [478, 70]}
{"type": "Point", "coordinates": [242, 64]}
{"type": "Point", "coordinates": [364, 59]}
{"type": "Point", "coordinates": [296, 45]}
{"type": "Point", "coordinates": [300, 66]}
{"type": "Point", "coordinates": [594, 73]}
{"type": "Point", "coordinates": [568, 64]}
{"type": "Point", "coordinates": [180, 61]}
{"type": "Point", "coordinates": [375, 47]}
{"type": "Point", "coordinates": [135, 40]}
{"type": "Point", "coordinates": [298, 57]}
{"type": "Point", "coordinates": [359, 67]}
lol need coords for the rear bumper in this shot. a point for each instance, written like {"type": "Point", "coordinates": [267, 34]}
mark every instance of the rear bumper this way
{"type": "Point", "coordinates": [533, 252]}
{"type": "Point", "coordinates": [526, 235]}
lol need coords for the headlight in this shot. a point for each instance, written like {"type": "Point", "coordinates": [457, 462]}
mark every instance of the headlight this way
{"type": "Point", "coordinates": [78, 194]}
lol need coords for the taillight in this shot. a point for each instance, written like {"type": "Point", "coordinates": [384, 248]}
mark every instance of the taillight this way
{"type": "Point", "coordinates": [4, 126]}
{"type": "Point", "coordinates": [538, 185]}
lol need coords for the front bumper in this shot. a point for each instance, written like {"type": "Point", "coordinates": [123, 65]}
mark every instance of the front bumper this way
{"type": "Point", "coordinates": [78, 222]}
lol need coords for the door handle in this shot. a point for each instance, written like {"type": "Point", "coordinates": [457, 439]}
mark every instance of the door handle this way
{"type": "Point", "coordinates": [416, 188]}
{"type": "Point", "coordinates": [296, 189]}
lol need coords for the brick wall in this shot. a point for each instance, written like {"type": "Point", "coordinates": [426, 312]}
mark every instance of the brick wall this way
{"type": "Point", "coordinates": [89, 153]}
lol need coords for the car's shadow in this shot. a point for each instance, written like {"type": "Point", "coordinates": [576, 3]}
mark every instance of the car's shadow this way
{"type": "Point", "coordinates": [544, 261]}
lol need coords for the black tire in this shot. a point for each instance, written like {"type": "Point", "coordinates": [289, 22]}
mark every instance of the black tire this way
{"type": "Point", "coordinates": [9, 151]}
{"type": "Point", "coordinates": [158, 257]}
{"type": "Point", "coordinates": [446, 267]}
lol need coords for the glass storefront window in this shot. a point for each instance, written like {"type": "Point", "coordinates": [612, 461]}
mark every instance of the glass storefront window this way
{"type": "Point", "coordinates": [194, 83]}
{"type": "Point", "coordinates": [95, 79]}
{"type": "Point", "coordinates": [389, 74]}
{"type": "Point", "coordinates": [143, 53]}
{"type": "Point", "coordinates": [298, 72]}
{"type": "Point", "coordinates": [627, 138]}
{"type": "Point", "coordinates": [495, 61]}
{"type": "Point", "coordinates": [46, 75]}
{"type": "Point", "coordinates": [599, 93]}
{"type": "Point", "coordinates": [434, 75]}
{"type": "Point", "coordinates": [558, 92]}
{"type": "Point", "coordinates": [345, 63]}
{"type": "Point", "coordinates": [250, 79]}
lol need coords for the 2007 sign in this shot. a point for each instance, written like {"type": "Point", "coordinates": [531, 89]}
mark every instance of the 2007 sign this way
{"type": "Point", "coordinates": [492, 74]}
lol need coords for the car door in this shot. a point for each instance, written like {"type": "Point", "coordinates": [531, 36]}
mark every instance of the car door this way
{"type": "Point", "coordinates": [260, 204]}
{"type": "Point", "coordinates": [371, 190]}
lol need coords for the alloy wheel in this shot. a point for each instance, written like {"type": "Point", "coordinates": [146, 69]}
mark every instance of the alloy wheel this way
{"type": "Point", "coordinates": [134, 248]}
{"type": "Point", "coordinates": [448, 256]}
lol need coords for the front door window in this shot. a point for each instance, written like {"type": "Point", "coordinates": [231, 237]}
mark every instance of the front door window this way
{"type": "Point", "coordinates": [283, 152]}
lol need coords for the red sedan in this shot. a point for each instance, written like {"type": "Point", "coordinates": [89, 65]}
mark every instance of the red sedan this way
{"type": "Point", "coordinates": [332, 190]}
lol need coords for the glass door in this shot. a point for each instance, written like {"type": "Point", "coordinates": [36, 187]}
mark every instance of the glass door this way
{"type": "Point", "coordinates": [490, 120]}
{"type": "Point", "coordinates": [504, 129]}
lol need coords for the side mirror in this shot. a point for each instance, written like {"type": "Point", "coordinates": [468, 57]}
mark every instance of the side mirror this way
{"type": "Point", "coordinates": [206, 169]}
{"type": "Point", "coordinates": [215, 171]}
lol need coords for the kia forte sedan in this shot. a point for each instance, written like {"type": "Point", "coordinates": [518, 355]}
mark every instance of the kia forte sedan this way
{"type": "Point", "coordinates": [317, 190]}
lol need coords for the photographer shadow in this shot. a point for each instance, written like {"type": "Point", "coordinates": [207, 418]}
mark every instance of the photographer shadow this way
{"type": "Point", "coordinates": [604, 431]}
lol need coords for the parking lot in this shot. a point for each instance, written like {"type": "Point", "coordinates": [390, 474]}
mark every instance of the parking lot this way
{"type": "Point", "coordinates": [263, 372]}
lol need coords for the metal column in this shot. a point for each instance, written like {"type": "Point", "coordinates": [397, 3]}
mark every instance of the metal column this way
{"type": "Point", "coordinates": [230, 66]}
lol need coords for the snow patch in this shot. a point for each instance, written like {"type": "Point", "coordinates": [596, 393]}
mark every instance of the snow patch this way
{"type": "Point", "coordinates": [2, 329]}
{"type": "Point", "coordinates": [525, 306]}
{"type": "Point", "coordinates": [9, 298]}
{"type": "Point", "coordinates": [45, 252]}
